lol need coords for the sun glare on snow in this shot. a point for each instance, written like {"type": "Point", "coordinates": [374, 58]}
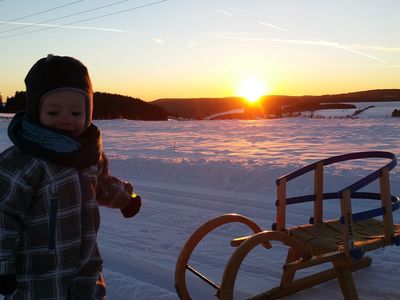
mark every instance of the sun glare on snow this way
{"type": "Point", "coordinates": [252, 89]}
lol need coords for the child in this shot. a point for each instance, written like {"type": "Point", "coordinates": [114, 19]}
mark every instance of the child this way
{"type": "Point", "coordinates": [51, 183]}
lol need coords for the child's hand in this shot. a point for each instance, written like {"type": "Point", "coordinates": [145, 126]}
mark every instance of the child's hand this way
{"type": "Point", "coordinates": [8, 284]}
{"type": "Point", "coordinates": [133, 207]}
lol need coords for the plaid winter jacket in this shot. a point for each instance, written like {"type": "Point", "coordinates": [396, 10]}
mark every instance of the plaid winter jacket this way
{"type": "Point", "coordinates": [49, 219]}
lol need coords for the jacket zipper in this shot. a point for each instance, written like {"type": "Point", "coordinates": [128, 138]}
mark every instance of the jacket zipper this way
{"type": "Point", "coordinates": [53, 223]}
{"type": "Point", "coordinates": [83, 192]}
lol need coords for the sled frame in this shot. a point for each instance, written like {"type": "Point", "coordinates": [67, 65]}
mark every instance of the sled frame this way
{"type": "Point", "coordinates": [342, 242]}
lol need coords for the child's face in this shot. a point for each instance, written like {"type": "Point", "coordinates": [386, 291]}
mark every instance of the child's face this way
{"type": "Point", "coordinates": [64, 110]}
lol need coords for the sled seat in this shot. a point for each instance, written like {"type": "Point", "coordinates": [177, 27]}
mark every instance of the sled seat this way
{"type": "Point", "coordinates": [327, 237]}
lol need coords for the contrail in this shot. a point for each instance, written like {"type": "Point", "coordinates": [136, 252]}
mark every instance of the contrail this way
{"type": "Point", "coordinates": [318, 42]}
{"type": "Point", "coordinates": [274, 26]}
{"type": "Point", "coordinates": [380, 48]}
{"type": "Point", "coordinates": [315, 42]}
{"type": "Point", "coordinates": [330, 44]}
{"type": "Point", "coordinates": [344, 47]}
{"type": "Point", "coordinates": [65, 26]}
{"type": "Point", "coordinates": [363, 65]}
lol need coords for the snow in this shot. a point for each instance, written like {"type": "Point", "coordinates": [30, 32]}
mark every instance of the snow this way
{"type": "Point", "coordinates": [190, 171]}
{"type": "Point", "coordinates": [232, 111]}
{"type": "Point", "coordinates": [369, 109]}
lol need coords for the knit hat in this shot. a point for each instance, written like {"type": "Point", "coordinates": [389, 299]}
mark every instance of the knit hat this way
{"type": "Point", "coordinates": [53, 73]}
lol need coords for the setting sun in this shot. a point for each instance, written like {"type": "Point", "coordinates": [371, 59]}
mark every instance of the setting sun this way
{"type": "Point", "coordinates": [252, 89]}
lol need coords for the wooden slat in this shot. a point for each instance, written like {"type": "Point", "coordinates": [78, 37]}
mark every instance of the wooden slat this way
{"type": "Point", "coordinates": [281, 211]}
{"type": "Point", "coordinates": [370, 245]}
{"type": "Point", "coordinates": [345, 279]}
{"type": "Point", "coordinates": [236, 242]}
{"type": "Point", "coordinates": [313, 261]}
{"type": "Point", "coordinates": [301, 233]}
{"type": "Point", "coordinates": [345, 205]}
{"type": "Point", "coordinates": [318, 190]}
{"type": "Point", "coordinates": [288, 274]}
{"type": "Point", "coordinates": [386, 203]}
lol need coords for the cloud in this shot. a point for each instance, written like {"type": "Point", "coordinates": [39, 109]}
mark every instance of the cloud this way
{"type": "Point", "coordinates": [225, 12]}
{"type": "Point", "coordinates": [158, 41]}
{"type": "Point", "coordinates": [238, 35]}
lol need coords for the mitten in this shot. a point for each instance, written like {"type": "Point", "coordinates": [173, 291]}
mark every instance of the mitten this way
{"type": "Point", "coordinates": [133, 206]}
{"type": "Point", "coordinates": [8, 284]}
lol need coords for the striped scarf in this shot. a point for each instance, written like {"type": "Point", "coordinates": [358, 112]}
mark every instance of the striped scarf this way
{"type": "Point", "coordinates": [48, 138]}
{"type": "Point", "coordinates": [55, 146]}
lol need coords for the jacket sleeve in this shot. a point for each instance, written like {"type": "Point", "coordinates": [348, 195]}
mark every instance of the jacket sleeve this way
{"type": "Point", "coordinates": [15, 198]}
{"type": "Point", "coordinates": [111, 191]}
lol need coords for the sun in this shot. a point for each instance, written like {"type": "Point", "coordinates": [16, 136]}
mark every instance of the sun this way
{"type": "Point", "coordinates": [252, 89]}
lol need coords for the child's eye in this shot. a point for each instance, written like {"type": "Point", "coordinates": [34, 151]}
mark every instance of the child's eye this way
{"type": "Point", "coordinates": [52, 113]}
{"type": "Point", "coordinates": [77, 114]}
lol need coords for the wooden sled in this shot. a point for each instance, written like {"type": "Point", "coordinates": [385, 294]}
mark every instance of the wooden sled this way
{"type": "Point", "coordinates": [342, 242]}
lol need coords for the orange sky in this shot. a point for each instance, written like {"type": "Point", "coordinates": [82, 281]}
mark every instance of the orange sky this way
{"type": "Point", "coordinates": [165, 49]}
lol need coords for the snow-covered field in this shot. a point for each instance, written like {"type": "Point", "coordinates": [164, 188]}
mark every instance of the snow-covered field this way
{"type": "Point", "coordinates": [188, 172]}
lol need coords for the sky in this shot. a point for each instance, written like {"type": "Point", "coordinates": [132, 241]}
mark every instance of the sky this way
{"type": "Point", "coordinates": [151, 49]}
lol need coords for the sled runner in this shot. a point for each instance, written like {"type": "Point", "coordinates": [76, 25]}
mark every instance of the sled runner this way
{"type": "Point", "coordinates": [342, 241]}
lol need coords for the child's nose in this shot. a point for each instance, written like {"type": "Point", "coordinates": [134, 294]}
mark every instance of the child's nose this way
{"type": "Point", "coordinates": [65, 115]}
{"type": "Point", "coordinates": [65, 119]}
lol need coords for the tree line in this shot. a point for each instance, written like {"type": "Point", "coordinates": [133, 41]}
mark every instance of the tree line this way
{"type": "Point", "coordinates": [105, 106]}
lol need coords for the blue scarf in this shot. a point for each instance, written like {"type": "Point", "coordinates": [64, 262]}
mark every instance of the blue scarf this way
{"type": "Point", "coordinates": [54, 145]}
{"type": "Point", "coordinates": [48, 138]}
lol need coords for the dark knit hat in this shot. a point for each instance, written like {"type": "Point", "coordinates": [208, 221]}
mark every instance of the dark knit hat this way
{"type": "Point", "coordinates": [53, 73]}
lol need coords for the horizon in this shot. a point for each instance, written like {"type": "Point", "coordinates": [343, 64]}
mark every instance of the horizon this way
{"type": "Point", "coordinates": [223, 97]}
{"type": "Point", "coordinates": [231, 170]}
{"type": "Point", "coordinates": [172, 49]}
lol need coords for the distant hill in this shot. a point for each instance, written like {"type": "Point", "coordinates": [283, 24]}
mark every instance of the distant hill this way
{"type": "Point", "coordinates": [111, 106]}
{"type": "Point", "coordinates": [199, 108]}
{"type": "Point", "coordinates": [106, 106]}
{"type": "Point", "coordinates": [272, 105]}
